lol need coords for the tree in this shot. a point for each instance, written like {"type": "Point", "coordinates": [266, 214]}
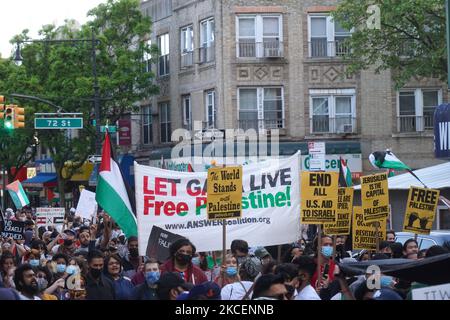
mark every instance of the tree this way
{"type": "Point", "coordinates": [410, 40]}
{"type": "Point", "coordinates": [64, 72]}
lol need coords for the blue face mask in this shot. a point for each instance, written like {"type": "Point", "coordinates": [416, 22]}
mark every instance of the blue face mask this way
{"type": "Point", "coordinates": [34, 262]}
{"type": "Point", "coordinates": [71, 269]}
{"type": "Point", "coordinates": [60, 268]}
{"type": "Point", "coordinates": [385, 281]}
{"type": "Point", "coordinates": [231, 271]}
{"type": "Point", "coordinates": [196, 261]}
{"type": "Point", "coordinates": [327, 251]}
{"type": "Point", "coordinates": [152, 276]}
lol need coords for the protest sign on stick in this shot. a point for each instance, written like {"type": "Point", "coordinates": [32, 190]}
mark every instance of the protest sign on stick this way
{"type": "Point", "coordinates": [420, 210]}
{"type": "Point", "coordinates": [13, 229]}
{"type": "Point", "coordinates": [344, 214]}
{"type": "Point", "coordinates": [364, 236]}
{"type": "Point", "coordinates": [375, 197]}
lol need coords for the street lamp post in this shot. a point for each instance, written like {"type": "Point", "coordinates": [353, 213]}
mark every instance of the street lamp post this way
{"type": "Point", "coordinates": [96, 98]}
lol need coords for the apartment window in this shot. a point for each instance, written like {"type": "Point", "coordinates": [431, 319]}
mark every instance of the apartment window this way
{"type": "Point", "coordinates": [261, 108]}
{"type": "Point", "coordinates": [163, 44]}
{"type": "Point", "coordinates": [416, 109]}
{"type": "Point", "coordinates": [207, 48]}
{"type": "Point", "coordinates": [147, 58]}
{"type": "Point", "coordinates": [164, 120]}
{"type": "Point", "coordinates": [332, 111]}
{"type": "Point", "coordinates": [187, 112]}
{"type": "Point", "coordinates": [259, 36]}
{"type": "Point", "coordinates": [147, 132]}
{"type": "Point", "coordinates": [326, 37]}
{"type": "Point", "coordinates": [187, 46]}
{"type": "Point", "coordinates": [210, 106]}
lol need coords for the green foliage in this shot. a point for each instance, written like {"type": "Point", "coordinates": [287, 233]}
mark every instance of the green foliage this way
{"type": "Point", "coordinates": [411, 40]}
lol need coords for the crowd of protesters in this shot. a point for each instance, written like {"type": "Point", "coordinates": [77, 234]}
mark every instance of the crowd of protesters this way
{"type": "Point", "coordinates": [96, 261]}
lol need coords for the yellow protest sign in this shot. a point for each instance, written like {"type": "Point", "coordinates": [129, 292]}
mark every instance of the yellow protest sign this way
{"type": "Point", "coordinates": [319, 197]}
{"type": "Point", "coordinates": [420, 210]}
{"type": "Point", "coordinates": [344, 214]}
{"type": "Point", "coordinates": [375, 197]}
{"type": "Point", "coordinates": [224, 193]}
{"type": "Point", "coordinates": [365, 234]}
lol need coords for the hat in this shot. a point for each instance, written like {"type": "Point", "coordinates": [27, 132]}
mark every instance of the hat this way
{"type": "Point", "coordinates": [70, 231]}
{"type": "Point", "coordinates": [386, 294]}
{"type": "Point", "coordinates": [262, 253]}
{"type": "Point", "coordinates": [73, 210]}
{"type": "Point", "coordinates": [207, 290]}
{"type": "Point", "coordinates": [170, 280]}
{"type": "Point", "coordinates": [252, 266]}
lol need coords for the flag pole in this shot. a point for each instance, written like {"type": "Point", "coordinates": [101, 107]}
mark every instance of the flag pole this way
{"type": "Point", "coordinates": [319, 253]}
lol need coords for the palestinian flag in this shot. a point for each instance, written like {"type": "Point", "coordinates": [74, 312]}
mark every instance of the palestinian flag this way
{"type": "Point", "coordinates": [386, 159]}
{"type": "Point", "coordinates": [189, 168]}
{"type": "Point", "coordinates": [391, 173]}
{"type": "Point", "coordinates": [345, 176]}
{"type": "Point", "coordinates": [112, 194]}
{"type": "Point", "coordinates": [18, 195]}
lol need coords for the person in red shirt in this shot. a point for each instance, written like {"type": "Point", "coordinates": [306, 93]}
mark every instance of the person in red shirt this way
{"type": "Point", "coordinates": [326, 262]}
{"type": "Point", "coordinates": [181, 253]}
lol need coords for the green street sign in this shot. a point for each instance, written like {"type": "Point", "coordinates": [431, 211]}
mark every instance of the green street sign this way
{"type": "Point", "coordinates": [58, 123]}
{"type": "Point", "coordinates": [111, 129]}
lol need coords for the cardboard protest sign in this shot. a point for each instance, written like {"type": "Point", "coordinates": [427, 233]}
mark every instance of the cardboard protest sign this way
{"type": "Point", "coordinates": [344, 214]}
{"type": "Point", "coordinates": [50, 217]}
{"type": "Point", "coordinates": [319, 197]}
{"type": "Point", "coordinates": [13, 229]}
{"type": "Point", "coordinates": [440, 292]}
{"type": "Point", "coordinates": [87, 206]}
{"type": "Point", "coordinates": [176, 202]}
{"type": "Point", "coordinates": [224, 193]}
{"type": "Point", "coordinates": [420, 210]}
{"type": "Point", "coordinates": [159, 243]}
{"type": "Point", "coordinates": [375, 197]}
{"type": "Point", "coordinates": [364, 233]}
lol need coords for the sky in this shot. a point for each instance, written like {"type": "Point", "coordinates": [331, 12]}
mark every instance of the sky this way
{"type": "Point", "coordinates": [33, 14]}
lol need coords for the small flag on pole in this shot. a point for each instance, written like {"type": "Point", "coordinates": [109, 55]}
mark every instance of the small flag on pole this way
{"type": "Point", "coordinates": [17, 194]}
{"type": "Point", "coordinates": [386, 159]}
{"type": "Point", "coordinates": [345, 176]}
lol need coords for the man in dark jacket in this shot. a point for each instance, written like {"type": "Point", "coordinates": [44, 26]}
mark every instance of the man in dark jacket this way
{"type": "Point", "coordinates": [147, 290]}
{"type": "Point", "coordinates": [181, 253]}
{"type": "Point", "coordinates": [98, 287]}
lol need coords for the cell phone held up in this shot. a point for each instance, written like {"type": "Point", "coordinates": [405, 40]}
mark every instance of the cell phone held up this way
{"type": "Point", "coordinates": [326, 270]}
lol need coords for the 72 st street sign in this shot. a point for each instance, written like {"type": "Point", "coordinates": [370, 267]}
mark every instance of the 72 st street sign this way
{"type": "Point", "coordinates": [58, 123]}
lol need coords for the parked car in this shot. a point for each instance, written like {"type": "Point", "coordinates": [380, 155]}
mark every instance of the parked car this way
{"type": "Point", "coordinates": [438, 237]}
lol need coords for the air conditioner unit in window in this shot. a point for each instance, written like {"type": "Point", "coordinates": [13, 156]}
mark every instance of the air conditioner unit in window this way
{"type": "Point", "coordinates": [272, 53]}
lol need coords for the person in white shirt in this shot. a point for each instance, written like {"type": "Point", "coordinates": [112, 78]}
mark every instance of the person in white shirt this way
{"type": "Point", "coordinates": [306, 269]}
{"type": "Point", "coordinates": [26, 282]}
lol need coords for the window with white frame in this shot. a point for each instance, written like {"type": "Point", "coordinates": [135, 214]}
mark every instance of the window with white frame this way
{"type": "Point", "coordinates": [332, 111]}
{"type": "Point", "coordinates": [187, 112]}
{"type": "Point", "coordinates": [326, 37]}
{"type": "Point", "coordinates": [259, 36]}
{"type": "Point", "coordinates": [416, 109]}
{"type": "Point", "coordinates": [147, 58]}
{"type": "Point", "coordinates": [147, 132]}
{"type": "Point", "coordinates": [210, 108]}
{"type": "Point", "coordinates": [207, 38]}
{"type": "Point", "coordinates": [163, 44]}
{"type": "Point", "coordinates": [164, 120]}
{"type": "Point", "coordinates": [261, 108]}
{"type": "Point", "coordinates": [187, 46]}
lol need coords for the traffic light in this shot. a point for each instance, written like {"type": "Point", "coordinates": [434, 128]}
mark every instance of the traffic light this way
{"type": "Point", "coordinates": [19, 117]}
{"type": "Point", "coordinates": [9, 117]}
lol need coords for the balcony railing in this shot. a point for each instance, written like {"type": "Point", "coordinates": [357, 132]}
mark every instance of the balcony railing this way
{"type": "Point", "coordinates": [412, 123]}
{"type": "Point", "coordinates": [319, 48]}
{"type": "Point", "coordinates": [187, 59]}
{"type": "Point", "coordinates": [266, 49]}
{"type": "Point", "coordinates": [339, 124]}
{"type": "Point", "coordinates": [207, 53]}
{"type": "Point", "coordinates": [263, 124]}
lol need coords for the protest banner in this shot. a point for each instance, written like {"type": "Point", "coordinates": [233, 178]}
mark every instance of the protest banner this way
{"type": "Point", "coordinates": [50, 217]}
{"type": "Point", "coordinates": [420, 210]}
{"type": "Point", "coordinates": [440, 292]}
{"type": "Point", "coordinates": [176, 202]}
{"type": "Point", "coordinates": [87, 206]}
{"type": "Point", "coordinates": [319, 197]}
{"type": "Point", "coordinates": [224, 193]}
{"type": "Point", "coordinates": [159, 243]}
{"type": "Point", "coordinates": [365, 233]}
{"type": "Point", "coordinates": [13, 229]}
{"type": "Point", "coordinates": [375, 197]}
{"type": "Point", "coordinates": [344, 214]}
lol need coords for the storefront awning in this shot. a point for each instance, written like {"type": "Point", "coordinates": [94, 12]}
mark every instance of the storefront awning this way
{"type": "Point", "coordinates": [41, 180]}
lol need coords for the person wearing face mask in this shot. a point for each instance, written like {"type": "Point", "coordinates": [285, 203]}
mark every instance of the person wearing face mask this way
{"type": "Point", "coordinates": [61, 261]}
{"type": "Point", "coordinates": [132, 260]}
{"type": "Point", "coordinates": [228, 273]}
{"type": "Point", "coordinates": [26, 282]}
{"type": "Point", "coordinates": [98, 286]}
{"type": "Point", "coordinates": [147, 290]}
{"type": "Point", "coordinates": [122, 285]}
{"type": "Point", "coordinates": [181, 253]}
{"type": "Point", "coordinates": [43, 278]}
{"type": "Point", "coordinates": [306, 269]}
{"type": "Point", "coordinates": [385, 248]}
{"type": "Point", "coordinates": [327, 265]}
{"type": "Point", "coordinates": [289, 272]}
